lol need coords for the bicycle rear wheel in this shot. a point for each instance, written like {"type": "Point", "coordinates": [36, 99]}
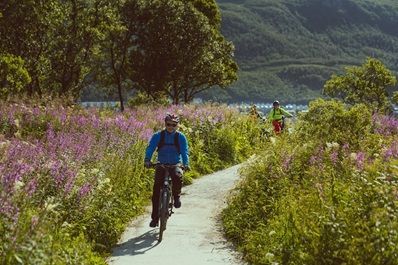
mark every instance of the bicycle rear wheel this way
{"type": "Point", "coordinates": [164, 213]}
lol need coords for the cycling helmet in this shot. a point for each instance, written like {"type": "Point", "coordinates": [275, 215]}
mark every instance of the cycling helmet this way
{"type": "Point", "coordinates": [276, 103]}
{"type": "Point", "coordinates": [172, 118]}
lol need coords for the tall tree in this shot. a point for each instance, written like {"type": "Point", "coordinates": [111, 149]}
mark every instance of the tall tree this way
{"type": "Point", "coordinates": [115, 50]}
{"type": "Point", "coordinates": [83, 27]}
{"type": "Point", "coordinates": [176, 49]}
{"type": "Point", "coordinates": [26, 31]}
{"type": "Point", "coordinates": [363, 84]}
{"type": "Point", "coordinates": [58, 40]}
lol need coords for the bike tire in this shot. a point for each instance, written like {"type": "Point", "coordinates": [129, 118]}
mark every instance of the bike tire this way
{"type": "Point", "coordinates": [164, 213]}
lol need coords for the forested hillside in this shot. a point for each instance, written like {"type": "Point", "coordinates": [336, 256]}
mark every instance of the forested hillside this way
{"type": "Point", "coordinates": [286, 49]}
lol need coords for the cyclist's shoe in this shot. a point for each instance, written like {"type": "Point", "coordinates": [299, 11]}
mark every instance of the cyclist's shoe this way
{"type": "Point", "coordinates": [177, 202]}
{"type": "Point", "coordinates": [154, 223]}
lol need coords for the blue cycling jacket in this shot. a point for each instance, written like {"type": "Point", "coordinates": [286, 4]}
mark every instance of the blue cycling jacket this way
{"type": "Point", "coordinates": [168, 154]}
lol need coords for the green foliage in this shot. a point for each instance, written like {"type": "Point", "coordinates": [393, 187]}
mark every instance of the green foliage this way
{"type": "Point", "coordinates": [320, 196]}
{"type": "Point", "coordinates": [210, 9]}
{"type": "Point", "coordinates": [395, 97]}
{"type": "Point", "coordinates": [71, 45]}
{"type": "Point", "coordinates": [125, 189]}
{"type": "Point", "coordinates": [181, 54]}
{"type": "Point", "coordinates": [57, 40]}
{"type": "Point", "coordinates": [141, 98]}
{"type": "Point", "coordinates": [330, 121]}
{"type": "Point", "coordinates": [79, 32]}
{"type": "Point", "coordinates": [13, 75]}
{"type": "Point", "coordinates": [367, 84]}
{"type": "Point", "coordinates": [216, 146]}
{"type": "Point", "coordinates": [27, 28]}
{"type": "Point", "coordinates": [40, 240]}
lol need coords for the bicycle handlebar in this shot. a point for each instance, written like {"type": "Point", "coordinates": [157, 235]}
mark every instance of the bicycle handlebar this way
{"type": "Point", "coordinates": [153, 165]}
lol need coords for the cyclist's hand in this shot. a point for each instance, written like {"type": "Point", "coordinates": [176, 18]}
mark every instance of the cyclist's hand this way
{"type": "Point", "coordinates": [187, 168]}
{"type": "Point", "coordinates": [147, 164]}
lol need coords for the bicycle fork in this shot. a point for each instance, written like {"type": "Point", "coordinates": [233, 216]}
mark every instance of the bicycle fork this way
{"type": "Point", "coordinates": [169, 198]}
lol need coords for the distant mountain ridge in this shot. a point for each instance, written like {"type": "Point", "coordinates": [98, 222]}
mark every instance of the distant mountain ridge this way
{"type": "Point", "coordinates": [286, 49]}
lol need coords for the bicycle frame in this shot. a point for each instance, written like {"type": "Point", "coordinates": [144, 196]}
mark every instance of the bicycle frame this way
{"type": "Point", "coordinates": [165, 199]}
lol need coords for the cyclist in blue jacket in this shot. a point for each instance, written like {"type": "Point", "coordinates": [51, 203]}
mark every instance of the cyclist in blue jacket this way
{"type": "Point", "coordinates": [172, 147]}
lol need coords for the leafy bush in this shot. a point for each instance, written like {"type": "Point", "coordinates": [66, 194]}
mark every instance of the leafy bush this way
{"type": "Point", "coordinates": [13, 75]}
{"type": "Point", "coordinates": [330, 200]}
{"type": "Point", "coordinates": [140, 98]}
{"type": "Point", "coordinates": [329, 121]}
{"type": "Point", "coordinates": [367, 84]}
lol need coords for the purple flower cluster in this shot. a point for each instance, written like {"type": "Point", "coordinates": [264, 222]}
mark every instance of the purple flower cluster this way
{"type": "Point", "coordinates": [48, 163]}
{"type": "Point", "coordinates": [72, 140]}
{"type": "Point", "coordinates": [360, 160]}
{"type": "Point", "coordinates": [317, 157]}
{"type": "Point", "coordinates": [287, 162]}
{"type": "Point", "coordinates": [392, 151]}
{"type": "Point", "coordinates": [195, 114]}
{"type": "Point", "coordinates": [385, 125]}
{"type": "Point", "coordinates": [334, 157]}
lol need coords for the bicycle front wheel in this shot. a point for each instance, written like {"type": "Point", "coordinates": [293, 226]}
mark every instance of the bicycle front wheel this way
{"type": "Point", "coordinates": [164, 213]}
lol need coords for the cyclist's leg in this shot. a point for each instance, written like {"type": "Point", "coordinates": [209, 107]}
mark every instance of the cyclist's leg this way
{"type": "Point", "coordinates": [277, 126]}
{"type": "Point", "coordinates": [159, 173]}
{"type": "Point", "coordinates": [176, 177]}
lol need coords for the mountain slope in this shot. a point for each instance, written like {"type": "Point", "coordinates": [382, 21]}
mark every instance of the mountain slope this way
{"type": "Point", "coordinates": [286, 49]}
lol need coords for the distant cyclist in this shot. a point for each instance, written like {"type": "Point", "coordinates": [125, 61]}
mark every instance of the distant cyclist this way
{"type": "Point", "coordinates": [277, 116]}
{"type": "Point", "coordinates": [172, 147]}
{"type": "Point", "coordinates": [253, 112]}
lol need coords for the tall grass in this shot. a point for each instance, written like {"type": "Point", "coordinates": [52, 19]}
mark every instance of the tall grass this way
{"type": "Point", "coordinates": [71, 179]}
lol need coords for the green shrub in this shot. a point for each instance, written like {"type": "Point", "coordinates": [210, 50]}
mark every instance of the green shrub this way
{"type": "Point", "coordinates": [331, 121]}
{"type": "Point", "coordinates": [329, 200]}
{"type": "Point", "coordinates": [141, 98]}
{"type": "Point", "coordinates": [13, 75]}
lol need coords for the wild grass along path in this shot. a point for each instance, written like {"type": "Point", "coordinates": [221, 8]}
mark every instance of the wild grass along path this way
{"type": "Point", "coordinates": [193, 236]}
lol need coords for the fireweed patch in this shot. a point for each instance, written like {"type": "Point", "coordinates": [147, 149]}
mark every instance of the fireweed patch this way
{"type": "Point", "coordinates": [70, 179]}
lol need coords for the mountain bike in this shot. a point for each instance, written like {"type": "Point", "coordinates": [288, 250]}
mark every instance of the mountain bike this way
{"type": "Point", "coordinates": [283, 123]}
{"type": "Point", "coordinates": [166, 199]}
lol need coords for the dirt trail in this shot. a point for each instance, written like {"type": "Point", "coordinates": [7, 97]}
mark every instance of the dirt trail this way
{"type": "Point", "coordinates": [193, 235]}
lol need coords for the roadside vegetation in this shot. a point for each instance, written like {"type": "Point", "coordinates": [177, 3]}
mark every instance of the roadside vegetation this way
{"type": "Point", "coordinates": [71, 179]}
{"type": "Point", "coordinates": [326, 193]}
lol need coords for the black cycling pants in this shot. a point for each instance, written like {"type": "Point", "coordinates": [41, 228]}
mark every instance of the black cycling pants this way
{"type": "Point", "coordinates": [176, 178]}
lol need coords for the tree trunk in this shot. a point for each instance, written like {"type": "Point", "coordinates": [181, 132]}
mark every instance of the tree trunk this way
{"type": "Point", "coordinates": [119, 90]}
{"type": "Point", "coordinates": [117, 76]}
{"type": "Point", "coordinates": [39, 92]}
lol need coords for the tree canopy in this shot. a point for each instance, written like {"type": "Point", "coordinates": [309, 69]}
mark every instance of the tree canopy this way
{"type": "Point", "coordinates": [170, 47]}
{"type": "Point", "coordinates": [176, 49]}
{"type": "Point", "coordinates": [56, 39]}
{"type": "Point", "coordinates": [366, 84]}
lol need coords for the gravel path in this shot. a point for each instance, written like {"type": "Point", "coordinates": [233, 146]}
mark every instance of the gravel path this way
{"type": "Point", "coordinates": [193, 236]}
